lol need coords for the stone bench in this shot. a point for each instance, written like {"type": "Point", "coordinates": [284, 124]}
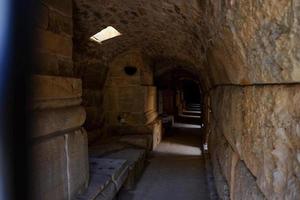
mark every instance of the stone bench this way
{"type": "Point", "coordinates": [136, 159]}
{"type": "Point", "coordinates": [115, 164]}
{"type": "Point", "coordinates": [106, 178]}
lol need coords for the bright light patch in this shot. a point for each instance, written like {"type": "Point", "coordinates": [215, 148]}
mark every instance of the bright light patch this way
{"type": "Point", "coordinates": [107, 33]}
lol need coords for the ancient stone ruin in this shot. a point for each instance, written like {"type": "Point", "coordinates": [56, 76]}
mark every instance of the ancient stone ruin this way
{"type": "Point", "coordinates": [102, 109]}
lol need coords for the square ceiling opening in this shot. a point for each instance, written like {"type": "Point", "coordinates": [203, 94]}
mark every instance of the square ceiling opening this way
{"type": "Point", "coordinates": [105, 34]}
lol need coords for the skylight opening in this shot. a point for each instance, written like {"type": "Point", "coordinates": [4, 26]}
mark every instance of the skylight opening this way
{"type": "Point", "coordinates": [105, 34]}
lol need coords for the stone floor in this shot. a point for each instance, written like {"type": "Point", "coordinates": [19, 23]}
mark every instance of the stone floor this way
{"type": "Point", "coordinates": [176, 170]}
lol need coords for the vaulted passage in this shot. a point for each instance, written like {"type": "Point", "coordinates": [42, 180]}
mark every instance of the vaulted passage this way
{"type": "Point", "coordinates": [166, 99]}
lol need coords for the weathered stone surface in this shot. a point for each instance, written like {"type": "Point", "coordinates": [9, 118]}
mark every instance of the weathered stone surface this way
{"type": "Point", "coordinates": [57, 120]}
{"type": "Point", "coordinates": [135, 19]}
{"type": "Point", "coordinates": [129, 130]}
{"type": "Point", "coordinates": [244, 42]}
{"type": "Point", "coordinates": [54, 43]}
{"type": "Point", "coordinates": [245, 187]}
{"type": "Point", "coordinates": [157, 133]}
{"type": "Point", "coordinates": [116, 169]}
{"type": "Point", "coordinates": [77, 154]}
{"type": "Point", "coordinates": [49, 170]}
{"type": "Point", "coordinates": [55, 88]}
{"type": "Point", "coordinates": [64, 6]}
{"type": "Point", "coordinates": [220, 181]}
{"type": "Point", "coordinates": [136, 159]}
{"type": "Point", "coordinates": [104, 148]}
{"type": "Point", "coordinates": [55, 92]}
{"type": "Point", "coordinates": [266, 136]}
{"type": "Point", "coordinates": [131, 106]}
{"type": "Point", "coordinates": [60, 24]}
{"type": "Point", "coordinates": [100, 188]}
{"type": "Point", "coordinates": [55, 65]}
{"type": "Point", "coordinates": [59, 103]}
{"type": "Point", "coordinates": [254, 41]}
{"type": "Point", "coordinates": [140, 141]}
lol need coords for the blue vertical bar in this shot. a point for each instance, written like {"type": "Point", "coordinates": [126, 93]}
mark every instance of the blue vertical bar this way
{"type": "Point", "coordinates": [5, 40]}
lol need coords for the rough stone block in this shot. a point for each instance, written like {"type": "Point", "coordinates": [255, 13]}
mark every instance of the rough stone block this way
{"type": "Point", "coordinates": [245, 184]}
{"type": "Point", "coordinates": [224, 153]}
{"type": "Point", "coordinates": [136, 159]}
{"type": "Point", "coordinates": [100, 188]}
{"type": "Point", "coordinates": [64, 6]}
{"type": "Point", "coordinates": [102, 149]}
{"type": "Point", "coordinates": [57, 120]}
{"type": "Point", "coordinates": [150, 98]}
{"type": "Point", "coordinates": [141, 141]}
{"type": "Point", "coordinates": [116, 169]}
{"type": "Point", "coordinates": [53, 91]}
{"type": "Point", "coordinates": [60, 24]}
{"type": "Point", "coordinates": [54, 43]}
{"type": "Point", "coordinates": [157, 133]}
{"type": "Point", "coordinates": [77, 153]}
{"type": "Point", "coordinates": [55, 87]}
{"type": "Point", "coordinates": [49, 169]}
{"type": "Point", "coordinates": [220, 181]}
{"type": "Point", "coordinates": [111, 167]}
{"type": "Point", "coordinates": [131, 98]}
{"type": "Point", "coordinates": [266, 135]}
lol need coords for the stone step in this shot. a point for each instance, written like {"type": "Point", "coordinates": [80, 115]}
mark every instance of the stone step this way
{"type": "Point", "coordinates": [187, 113]}
{"type": "Point", "coordinates": [193, 109]}
{"type": "Point", "coordinates": [194, 105]}
{"type": "Point", "coordinates": [106, 178]}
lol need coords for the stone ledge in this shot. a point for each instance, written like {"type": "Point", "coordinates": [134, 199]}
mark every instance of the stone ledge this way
{"type": "Point", "coordinates": [107, 177]}
{"type": "Point", "coordinates": [61, 103]}
{"type": "Point", "coordinates": [47, 88]}
{"type": "Point", "coordinates": [136, 159]}
{"type": "Point", "coordinates": [54, 120]}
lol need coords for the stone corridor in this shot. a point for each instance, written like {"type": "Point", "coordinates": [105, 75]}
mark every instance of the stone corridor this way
{"type": "Point", "coordinates": [176, 170]}
{"type": "Point", "coordinates": [121, 95]}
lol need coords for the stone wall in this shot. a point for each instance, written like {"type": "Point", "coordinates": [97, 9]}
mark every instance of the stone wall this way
{"type": "Point", "coordinates": [130, 100]}
{"type": "Point", "coordinates": [91, 67]}
{"type": "Point", "coordinates": [253, 41]}
{"type": "Point", "coordinates": [54, 45]}
{"type": "Point", "coordinates": [59, 143]}
{"type": "Point", "coordinates": [255, 141]}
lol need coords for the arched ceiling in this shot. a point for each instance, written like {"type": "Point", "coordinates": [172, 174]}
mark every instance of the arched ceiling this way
{"type": "Point", "coordinates": [165, 28]}
{"type": "Point", "coordinates": [223, 41]}
{"type": "Point", "coordinates": [162, 29]}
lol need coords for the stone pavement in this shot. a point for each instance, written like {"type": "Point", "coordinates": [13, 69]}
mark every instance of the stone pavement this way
{"type": "Point", "coordinates": [176, 170]}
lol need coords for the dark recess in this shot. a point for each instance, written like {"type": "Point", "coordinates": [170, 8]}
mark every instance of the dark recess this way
{"type": "Point", "coordinates": [130, 70]}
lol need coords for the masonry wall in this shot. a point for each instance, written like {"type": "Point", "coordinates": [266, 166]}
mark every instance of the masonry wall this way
{"type": "Point", "coordinates": [91, 67]}
{"type": "Point", "coordinates": [255, 141]}
{"type": "Point", "coordinates": [130, 101]}
{"type": "Point", "coordinates": [59, 143]}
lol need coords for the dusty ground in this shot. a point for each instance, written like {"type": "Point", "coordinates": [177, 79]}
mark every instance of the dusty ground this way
{"type": "Point", "coordinates": [176, 170]}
